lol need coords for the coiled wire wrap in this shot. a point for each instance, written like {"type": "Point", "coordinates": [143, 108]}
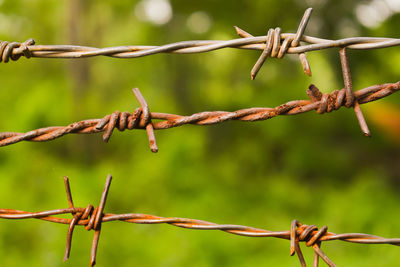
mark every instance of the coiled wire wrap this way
{"type": "Point", "coordinates": [138, 120]}
{"type": "Point", "coordinates": [7, 50]}
{"type": "Point", "coordinates": [275, 44]}
{"type": "Point", "coordinates": [92, 218]}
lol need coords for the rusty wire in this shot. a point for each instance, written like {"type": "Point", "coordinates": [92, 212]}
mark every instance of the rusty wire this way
{"type": "Point", "coordinates": [275, 44]}
{"type": "Point", "coordinates": [92, 218]}
{"type": "Point", "coordinates": [142, 118]}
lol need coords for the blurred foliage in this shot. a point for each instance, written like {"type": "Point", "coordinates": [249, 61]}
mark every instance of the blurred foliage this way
{"type": "Point", "coordinates": [317, 169]}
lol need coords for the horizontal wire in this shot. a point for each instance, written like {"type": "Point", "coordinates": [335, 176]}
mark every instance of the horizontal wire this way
{"type": "Point", "coordinates": [125, 120]}
{"type": "Point", "coordinates": [275, 44]}
{"type": "Point", "coordinates": [201, 46]}
{"type": "Point", "coordinates": [92, 218]}
{"type": "Point", "coordinates": [139, 218]}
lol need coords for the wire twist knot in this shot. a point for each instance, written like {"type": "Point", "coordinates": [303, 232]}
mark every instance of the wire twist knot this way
{"type": "Point", "coordinates": [139, 119]}
{"type": "Point", "coordinates": [311, 235]}
{"type": "Point", "coordinates": [80, 216]}
{"type": "Point", "coordinates": [88, 217]}
{"type": "Point", "coordinates": [7, 50]}
{"type": "Point", "coordinates": [275, 47]}
{"type": "Point", "coordinates": [330, 101]}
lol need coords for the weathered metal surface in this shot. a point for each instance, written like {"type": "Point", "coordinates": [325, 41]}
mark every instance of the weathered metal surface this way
{"type": "Point", "coordinates": [141, 118]}
{"type": "Point", "coordinates": [92, 218]}
{"type": "Point", "coordinates": [275, 44]}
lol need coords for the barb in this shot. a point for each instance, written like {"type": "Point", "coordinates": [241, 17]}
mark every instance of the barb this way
{"type": "Point", "coordinates": [92, 218]}
{"type": "Point", "coordinates": [274, 44]}
{"type": "Point", "coordinates": [141, 118]}
{"type": "Point", "coordinates": [350, 100]}
{"type": "Point", "coordinates": [274, 47]}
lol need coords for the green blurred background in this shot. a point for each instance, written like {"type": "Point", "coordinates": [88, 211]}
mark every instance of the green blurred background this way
{"type": "Point", "coordinates": [318, 169]}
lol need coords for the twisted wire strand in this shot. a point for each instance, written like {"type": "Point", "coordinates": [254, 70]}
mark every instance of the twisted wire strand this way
{"type": "Point", "coordinates": [274, 44]}
{"type": "Point", "coordinates": [142, 118]}
{"type": "Point", "coordinates": [92, 218]}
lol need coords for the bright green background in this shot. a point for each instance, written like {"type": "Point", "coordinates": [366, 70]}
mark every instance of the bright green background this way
{"type": "Point", "coordinates": [318, 169]}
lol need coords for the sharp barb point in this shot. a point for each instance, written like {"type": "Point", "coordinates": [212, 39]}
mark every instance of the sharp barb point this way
{"type": "Point", "coordinates": [166, 121]}
{"type": "Point", "coordinates": [312, 235]}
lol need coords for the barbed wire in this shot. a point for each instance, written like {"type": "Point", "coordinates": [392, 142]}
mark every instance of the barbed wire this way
{"type": "Point", "coordinates": [142, 118]}
{"type": "Point", "coordinates": [275, 44]}
{"type": "Point", "coordinates": [92, 218]}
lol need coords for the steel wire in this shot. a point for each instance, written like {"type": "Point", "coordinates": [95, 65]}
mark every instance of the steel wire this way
{"type": "Point", "coordinates": [274, 44]}
{"type": "Point", "coordinates": [92, 218]}
{"type": "Point", "coordinates": [142, 118]}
